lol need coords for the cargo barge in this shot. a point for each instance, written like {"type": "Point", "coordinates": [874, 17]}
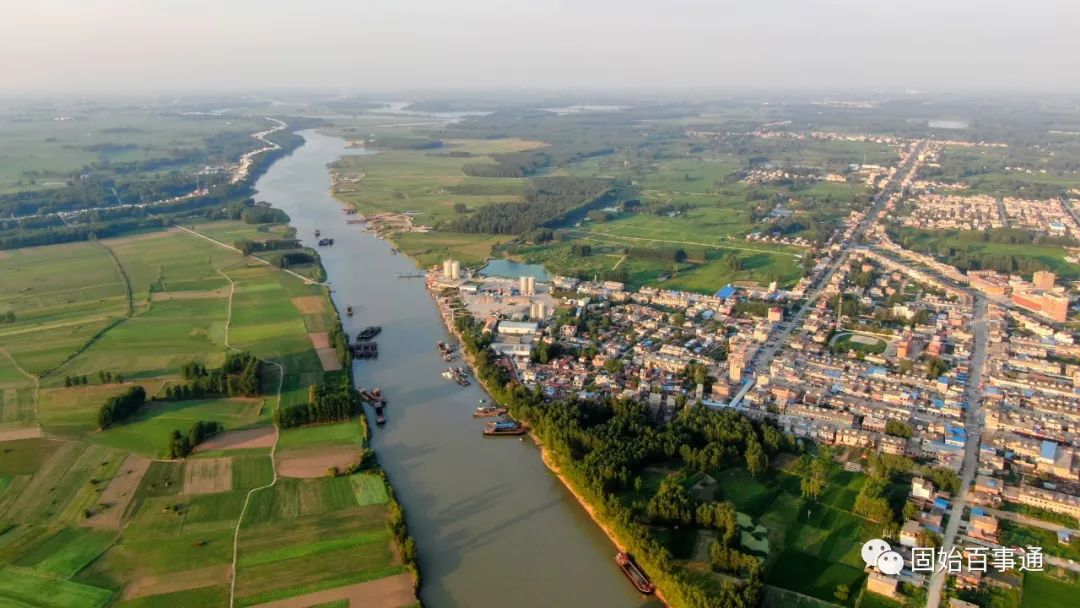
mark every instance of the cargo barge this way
{"type": "Point", "coordinates": [504, 427]}
{"type": "Point", "coordinates": [632, 572]}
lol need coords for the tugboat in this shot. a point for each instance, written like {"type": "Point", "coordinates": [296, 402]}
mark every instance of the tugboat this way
{"type": "Point", "coordinates": [632, 572]}
{"type": "Point", "coordinates": [348, 310]}
{"type": "Point", "coordinates": [504, 427]}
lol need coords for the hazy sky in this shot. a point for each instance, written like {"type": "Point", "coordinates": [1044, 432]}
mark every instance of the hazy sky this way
{"type": "Point", "coordinates": [357, 45]}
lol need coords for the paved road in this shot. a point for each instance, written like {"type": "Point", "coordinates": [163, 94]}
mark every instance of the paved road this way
{"type": "Point", "coordinates": [764, 357]}
{"type": "Point", "coordinates": [1020, 518]}
{"type": "Point", "coordinates": [973, 424]}
{"type": "Point", "coordinates": [1051, 560]}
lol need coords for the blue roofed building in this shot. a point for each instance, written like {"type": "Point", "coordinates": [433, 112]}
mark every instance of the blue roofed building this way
{"type": "Point", "coordinates": [726, 292]}
{"type": "Point", "coordinates": [955, 436]}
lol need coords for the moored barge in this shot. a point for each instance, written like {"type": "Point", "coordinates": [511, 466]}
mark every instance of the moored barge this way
{"type": "Point", "coordinates": [632, 572]}
{"type": "Point", "coordinates": [504, 427]}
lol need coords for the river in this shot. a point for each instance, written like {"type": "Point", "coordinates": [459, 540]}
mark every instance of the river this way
{"type": "Point", "coordinates": [492, 525]}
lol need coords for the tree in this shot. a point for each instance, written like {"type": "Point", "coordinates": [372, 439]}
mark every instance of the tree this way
{"type": "Point", "coordinates": [460, 208]}
{"type": "Point", "coordinates": [897, 428]}
{"type": "Point", "coordinates": [756, 460]}
{"type": "Point", "coordinates": [842, 592]}
{"type": "Point", "coordinates": [910, 511]}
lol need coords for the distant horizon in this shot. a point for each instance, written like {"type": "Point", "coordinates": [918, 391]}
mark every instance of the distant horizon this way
{"type": "Point", "coordinates": [70, 47]}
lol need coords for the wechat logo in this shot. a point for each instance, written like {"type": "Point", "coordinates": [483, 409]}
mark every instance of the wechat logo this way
{"type": "Point", "coordinates": [878, 554]}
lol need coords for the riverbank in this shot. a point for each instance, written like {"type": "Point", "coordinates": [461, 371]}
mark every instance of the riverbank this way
{"type": "Point", "coordinates": [546, 455]}
{"type": "Point", "coordinates": [470, 502]}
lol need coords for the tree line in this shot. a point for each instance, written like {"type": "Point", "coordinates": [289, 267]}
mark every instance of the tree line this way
{"type": "Point", "coordinates": [547, 200]}
{"type": "Point", "coordinates": [180, 445]}
{"type": "Point", "coordinates": [239, 376]}
{"type": "Point", "coordinates": [121, 407]}
{"type": "Point", "coordinates": [327, 402]}
{"type": "Point", "coordinates": [603, 446]}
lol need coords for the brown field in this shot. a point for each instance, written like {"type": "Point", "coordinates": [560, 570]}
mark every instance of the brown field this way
{"type": "Point", "coordinates": [308, 305]}
{"type": "Point", "coordinates": [320, 340]}
{"type": "Point", "coordinates": [208, 576]}
{"type": "Point", "coordinates": [328, 358]}
{"type": "Point", "coordinates": [313, 462]}
{"type": "Point", "coordinates": [208, 475]}
{"type": "Point", "coordinates": [14, 433]}
{"type": "Point", "coordinates": [262, 437]}
{"type": "Point", "coordinates": [389, 592]}
{"type": "Point", "coordinates": [160, 296]}
{"type": "Point", "coordinates": [114, 501]}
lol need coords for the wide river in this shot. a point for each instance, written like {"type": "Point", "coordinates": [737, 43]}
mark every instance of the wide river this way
{"type": "Point", "coordinates": [492, 525]}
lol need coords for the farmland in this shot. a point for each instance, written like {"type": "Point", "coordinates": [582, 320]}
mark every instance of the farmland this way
{"type": "Point", "coordinates": [86, 513]}
{"type": "Point", "coordinates": [689, 196]}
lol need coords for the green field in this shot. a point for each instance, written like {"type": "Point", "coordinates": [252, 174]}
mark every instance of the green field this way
{"type": "Point", "coordinates": [813, 546]}
{"type": "Point", "coordinates": [148, 431]}
{"type": "Point", "coordinates": [43, 147]}
{"type": "Point", "coordinates": [340, 433]}
{"type": "Point", "coordinates": [1043, 590]}
{"type": "Point", "coordinates": [319, 550]}
{"type": "Point", "coordinates": [428, 181]}
{"type": "Point", "coordinates": [75, 516]}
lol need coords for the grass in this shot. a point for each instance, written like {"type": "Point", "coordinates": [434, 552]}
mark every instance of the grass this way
{"type": "Point", "coordinates": [350, 432]}
{"type": "Point", "coordinates": [433, 247]}
{"type": "Point", "coordinates": [24, 587]}
{"type": "Point", "coordinates": [1041, 590]}
{"type": "Point", "coordinates": [369, 489]}
{"type": "Point", "coordinates": [38, 152]}
{"type": "Point", "coordinates": [251, 471]}
{"type": "Point", "coordinates": [319, 551]}
{"type": "Point", "coordinates": [204, 596]}
{"type": "Point", "coordinates": [293, 498]}
{"type": "Point", "coordinates": [68, 551]}
{"type": "Point", "coordinates": [147, 432]}
{"type": "Point", "coordinates": [1013, 534]}
{"type": "Point", "coordinates": [428, 182]}
{"type": "Point", "coordinates": [815, 546]}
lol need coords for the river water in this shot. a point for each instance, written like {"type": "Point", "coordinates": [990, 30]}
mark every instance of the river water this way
{"type": "Point", "coordinates": [493, 527]}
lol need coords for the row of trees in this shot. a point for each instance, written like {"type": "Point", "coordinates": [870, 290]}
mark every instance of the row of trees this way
{"type": "Point", "coordinates": [122, 406]}
{"type": "Point", "coordinates": [603, 447]}
{"type": "Point", "coordinates": [181, 445]}
{"type": "Point", "coordinates": [326, 403]}
{"type": "Point", "coordinates": [546, 201]}
{"type": "Point", "coordinates": [239, 376]}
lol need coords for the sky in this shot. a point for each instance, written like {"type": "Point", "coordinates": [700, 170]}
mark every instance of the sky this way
{"type": "Point", "coordinates": [135, 46]}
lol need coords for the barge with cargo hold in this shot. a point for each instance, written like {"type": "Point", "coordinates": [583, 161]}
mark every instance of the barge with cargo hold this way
{"type": "Point", "coordinates": [632, 572]}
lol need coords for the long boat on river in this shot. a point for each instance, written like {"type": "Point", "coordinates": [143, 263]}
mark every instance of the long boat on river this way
{"type": "Point", "coordinates": [632, 572]}
{"type": "Point", "coordinates": [504, 427]}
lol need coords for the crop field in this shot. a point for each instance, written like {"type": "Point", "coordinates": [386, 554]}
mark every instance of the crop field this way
{"type": "Point", "coordinates": [816, 544]}
{"type": "Point", "coordinates": [429, 182]}
{"type": "Point", "coordinates": [348, 545]}
{"type": "Point", "coordinates": [27, 587]}
{"type": "Point", "coordinates": [45, 146]}
{"type": "Point", "coordinates": [1043, 589]}
{"type": "Point", "coordinates": [148, 431]}
{"type": "Point", "coordinates": [349, 433]}
{"type": "Point", "coordinates": [429, 248]}
{"type": "Point", "coordinates": [89, 517]}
